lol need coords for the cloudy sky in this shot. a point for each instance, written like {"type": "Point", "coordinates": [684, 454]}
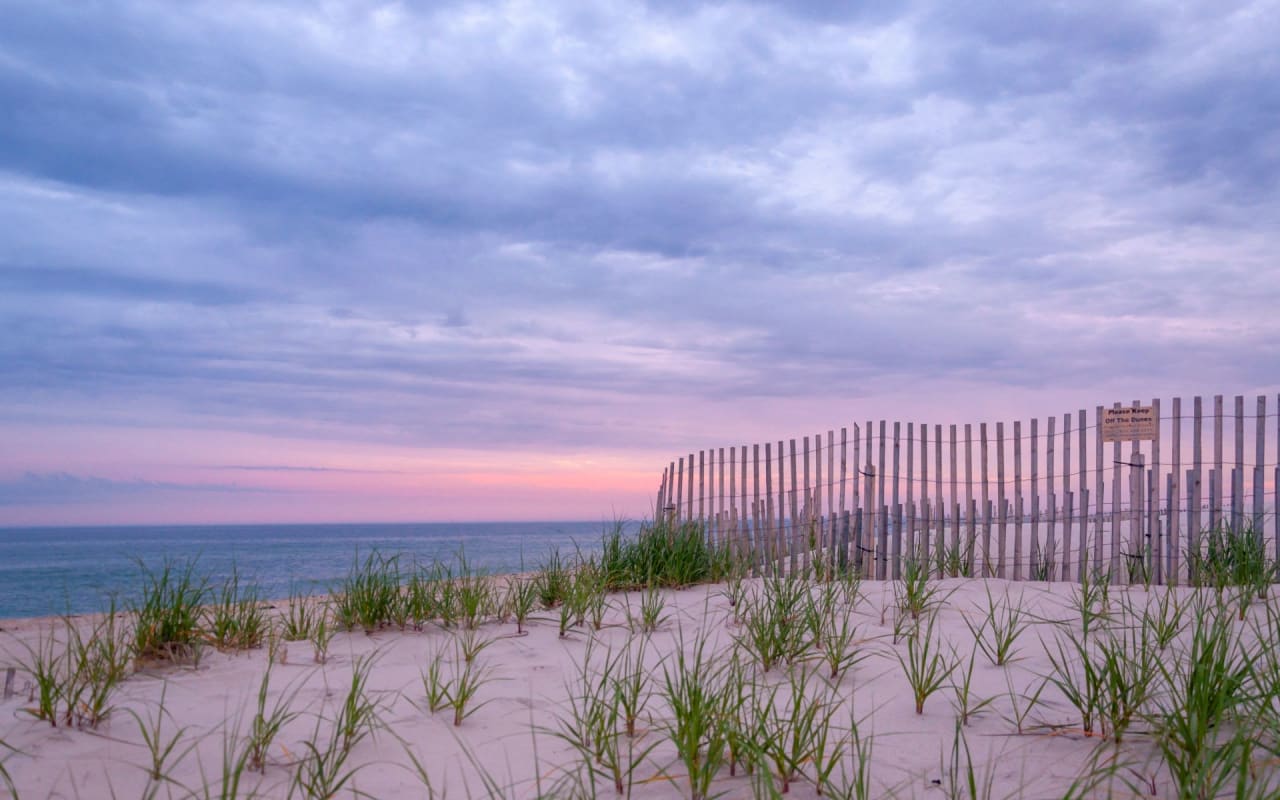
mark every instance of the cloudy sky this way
{"type": "Point", "coordinates": [441, 261]}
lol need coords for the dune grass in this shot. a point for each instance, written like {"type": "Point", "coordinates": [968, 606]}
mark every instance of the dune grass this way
{"type": "Point", "coordinates": [668, 555]}
{"type": "Point", "coordinates": [1178, 690]}
{"type": "Point", "coordinates": [74, 676]}
{"type": "Point", "coordinates": [168, 613]}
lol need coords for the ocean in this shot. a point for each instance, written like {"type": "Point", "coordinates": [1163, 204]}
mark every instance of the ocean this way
{"type": "Point", "coordinates": [46, 571]}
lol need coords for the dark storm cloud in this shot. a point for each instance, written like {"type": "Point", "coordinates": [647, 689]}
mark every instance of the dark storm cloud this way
{"type": "Point", "coordinates": [454, 223]}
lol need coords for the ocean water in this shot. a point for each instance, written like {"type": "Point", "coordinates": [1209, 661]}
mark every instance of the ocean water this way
{"type": "Point", "coordinates": [47, 571]}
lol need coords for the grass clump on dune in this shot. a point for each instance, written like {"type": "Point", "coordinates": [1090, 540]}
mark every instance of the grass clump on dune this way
{"type": "Point", "coordinates": [1234, 559]}
{"type": "Point", "coordinates": [661, 554]}
{"type": "Point", "coordinates": [167, 617]}
{"type": "Point", "coordinates": [73, 676]}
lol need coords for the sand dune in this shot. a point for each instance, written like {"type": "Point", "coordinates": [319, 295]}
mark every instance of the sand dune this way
{"type": "Point", "coordinates": [510, 738]}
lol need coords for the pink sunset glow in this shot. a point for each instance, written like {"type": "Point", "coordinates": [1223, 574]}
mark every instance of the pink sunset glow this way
{"type": "Point", "coordinates": [325, 264]}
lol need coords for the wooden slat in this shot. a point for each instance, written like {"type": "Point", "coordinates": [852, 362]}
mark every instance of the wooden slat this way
{"type": "Point", "coordinates": [718, 492]}
{"type": "Point", "coordinates": [748, 530]}
{"type": "Point", "coordinates": [801, 531]}
{"type": "Point", "coordinates": [711, 496]}
{"type": "Point", "coordinates": [680, 492]}
{"type": "Point", "coordinates": [897, 461]}
{"type": "Point", "coordinates": [881, 474]}
{"type": "Point", "coordinates": [939, 517]}
{"type": "Point", "coordinates": [1066, 493]}
{"type": "Point", "coordinates": [1067, 510]}
{"type": "Point", "coordinates": [1034, 562]}
{"type": "Point", "coordinates": [882, 546]}
{"type": "Point", "coordinates": [1153, 501]}
{"type": "Point", "coordinates": [855, 481]}
{"type": "Point", "coordinates": [896, 551]}
{"type": "Point", "coordinates": [818, 516]}
{"type": "Point", "coordinates": [1171, 540]}
{"type": "Point", "coordinates": [846, 534]}
{"type": "Point", "coordinates": [911, 530]}
{"type": "Point", "coordinates": [1215, 488]}
{"type": "Point", "coordinates": [672, 488]}
{"type": "Point", "coordinates": [1137, 470]}
{"type": "Point", "coordinates": [1017, 500]}
{"type": "Point", "coordinates": [1085, 562]}
{"type": "Point", "coordinates": [729, 523]}
{"type": "Point", "coordinates": [1136, 525]}
{"type": "Point", "coordinates": [770, 537]}
{"type": "Point", "coordinates": [1197, 479]}
{"type": "Point", "coordinates": [924, 492]}
{"type": "Point", "coordinates": [787, 504]}
{"type": "Point", "coordinates": [720, 488]}
{"type": "Point", "coordinates": [910, 547]}
{"type": "Point", "coordinates": [1050, 554]}
{"type": "Point", "coordinates": [733, 482]}
{"type": "Point", "coordinates": [818, 493]}
{"type": "Point", "coordinates": [1002, 529]}
{"type": "Point", "coordinates": [1175, 494]}
{"type": "Point", "coordinates": [757, 538]}
{"type": "Point", "coordinates": [1115, 510]}
{"type": "Point", "coordinates": [791, 503]}
{"type": "Point", "coordinates": [1082, 506]}
{"type": "Point", "coordinates": [702, 486]}
{"type": "Point", "coordinates": [833, 521]}
{"type": "Point", "coordinates": [867, 533]}
{"type": "Point", "coordinates": [988, 564]}
{"type": "Point", "coordinates": [1153, 526]}
{"type": "Point", "coordinates": [971, 532]}
{"type": "Point", "coordinates": [1259, 460]}
{"type": "Point", "coordinates": [778, 466]}
{"type": "Point", "coordinates": [668, 479]}
{"type": "Point", "coordinates": [692, 477]}
{"type": "Point", "coordinates": [882, 506]}
{"type": "Point", "coordinates": [1193, 516]}
{"type": "Point", "coordinates": [780, 510]}
{"type": "Point", "coordinates": [1237, 477]}
{"type": "Point", "coordinates": [831, 472]}
{"type": "Point", "coordinates": [729, 532]}
{"type": "Point", "coordinates": [844, 467]}
{"type": "Point", "coordinates": [1215, 501]}
{"type": "Point", "coordinates": [1099, 490]}
{"type": "Point", "coordinates": [954, 503]}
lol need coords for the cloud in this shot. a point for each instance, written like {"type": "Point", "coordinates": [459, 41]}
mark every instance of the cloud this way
{"type": "Point", "coordinates": [52, 489]}
{"type": "Point", "coordinates": [547, 226]}
{"type": "Point", "coordinates": [294, 468]}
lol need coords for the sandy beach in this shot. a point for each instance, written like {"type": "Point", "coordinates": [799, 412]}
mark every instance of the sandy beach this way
{"type": "Point", "coordinates": [515, 740]}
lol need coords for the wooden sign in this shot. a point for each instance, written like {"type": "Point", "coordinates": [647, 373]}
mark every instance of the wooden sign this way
{"type": "Point", "coordinates": [1128, 423]}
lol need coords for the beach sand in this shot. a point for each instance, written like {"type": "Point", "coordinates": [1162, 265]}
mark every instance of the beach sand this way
{"type": "Point", "coordinates": [510, 740]}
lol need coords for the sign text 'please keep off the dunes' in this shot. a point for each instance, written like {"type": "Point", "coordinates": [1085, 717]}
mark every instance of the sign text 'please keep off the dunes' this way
{"type": "Point", "coordinates": [1126, 424]}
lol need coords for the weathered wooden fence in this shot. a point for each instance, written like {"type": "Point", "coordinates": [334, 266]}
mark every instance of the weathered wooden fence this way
{"type": "Point", "coordinates": [1049, 499]}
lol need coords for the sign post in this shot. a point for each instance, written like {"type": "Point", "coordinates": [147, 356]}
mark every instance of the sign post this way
{"type": "Point", "coordinates": [1126, 424]}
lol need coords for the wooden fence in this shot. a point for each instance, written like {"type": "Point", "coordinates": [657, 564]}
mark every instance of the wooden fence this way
{"type": "Point", "coordinates": [1048, 499]}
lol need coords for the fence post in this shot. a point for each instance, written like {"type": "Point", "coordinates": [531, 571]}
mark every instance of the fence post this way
{"type": "Point", "coordinates": [1017, 500]}
{"type": "Point", "coordinates": [1175, 495]}
{"type": "Point", "coordinates": [1215, 475]}
{"type": "Point", "coordinates": [911, 492]}
{"type": "Point", "coordinates": [1259, 459]}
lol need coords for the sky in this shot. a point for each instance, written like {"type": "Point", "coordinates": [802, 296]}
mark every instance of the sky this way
{"type": "Point", "coordinates": [392, 261]}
